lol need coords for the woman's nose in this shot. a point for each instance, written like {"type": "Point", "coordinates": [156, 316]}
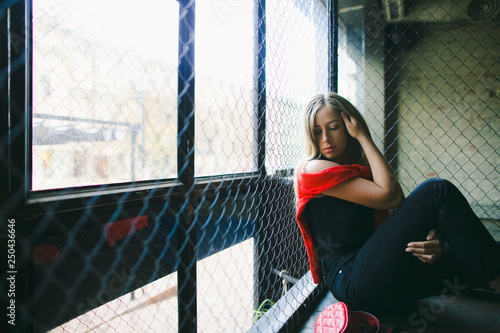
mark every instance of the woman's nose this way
{"type": "Point", "coordinates": [324, 137]}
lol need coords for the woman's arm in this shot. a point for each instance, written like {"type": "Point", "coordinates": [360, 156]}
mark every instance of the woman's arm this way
{"type": "Point", "coordinates": [384, 192]}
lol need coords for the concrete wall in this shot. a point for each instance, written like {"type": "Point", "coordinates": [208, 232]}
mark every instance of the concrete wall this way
{"type": "Point", "coordinates": [449, 110]}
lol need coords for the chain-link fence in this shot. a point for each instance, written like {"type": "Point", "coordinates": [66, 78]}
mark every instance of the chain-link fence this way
{"type": "Point", "coordinates": [148, 147]}
{"type": "Point", "coordinates": [426, 75]}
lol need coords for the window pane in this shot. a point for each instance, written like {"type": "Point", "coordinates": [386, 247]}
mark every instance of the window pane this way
{"type": "Point", "coordinates": [296, 70]}
{"type": "Point", "coordinates": [104, 91]}
{"type": "Point", "coordinates": [150, 308]}
{"type": "Point", "coordinates": [224, 109]}
{"type": "Point", "coordinates": [225, 289]}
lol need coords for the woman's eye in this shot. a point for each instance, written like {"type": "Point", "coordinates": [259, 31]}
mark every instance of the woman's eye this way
{"type": "Point", "coordinates": [334, 128]}
{"type": "Point", "coordinates": [316, 133]}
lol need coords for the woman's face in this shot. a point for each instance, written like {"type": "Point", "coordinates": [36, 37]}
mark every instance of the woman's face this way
{"type": "Point", "coordinates": [331, 135]}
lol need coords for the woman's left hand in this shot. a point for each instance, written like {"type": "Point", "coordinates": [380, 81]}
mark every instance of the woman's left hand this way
{"type": "Point", "coordinates": [428, 251]}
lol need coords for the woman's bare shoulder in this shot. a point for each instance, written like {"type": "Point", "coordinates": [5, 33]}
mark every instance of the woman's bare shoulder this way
{"type": "Point", "coordinates": [316, 166]}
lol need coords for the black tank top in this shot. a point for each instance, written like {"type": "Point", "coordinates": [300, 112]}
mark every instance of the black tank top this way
{"type": "Point", "coordinates": [338, 227]}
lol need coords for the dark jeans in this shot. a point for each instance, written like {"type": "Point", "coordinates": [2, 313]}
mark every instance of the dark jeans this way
{"type": "Point", "coordinates": [383, 275]}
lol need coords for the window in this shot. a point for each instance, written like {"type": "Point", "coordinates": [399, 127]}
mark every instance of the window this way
{"type": "Point", "coordinates": [225, 126]}
{"type": "Point", "coordinates": [296, 69]}
{"type": "Point", "coordinates": [104, 85]}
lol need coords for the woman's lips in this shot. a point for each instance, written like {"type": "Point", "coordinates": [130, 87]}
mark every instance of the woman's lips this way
{"type": "Point", "coordinates": [328, 149]}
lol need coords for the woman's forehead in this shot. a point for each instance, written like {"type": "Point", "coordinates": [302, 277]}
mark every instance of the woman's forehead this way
{"type": "Point", "coordinates": [326, 114]}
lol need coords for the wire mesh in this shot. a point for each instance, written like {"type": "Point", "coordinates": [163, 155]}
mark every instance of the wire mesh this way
{"type": "Point", "coordinates": [118, 236]}
{"type": "Point", "coordinates": [436, 64]}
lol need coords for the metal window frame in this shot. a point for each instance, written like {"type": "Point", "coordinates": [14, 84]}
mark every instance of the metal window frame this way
{"type": "Point", "coordinates": [17, 100]}
{"type": "Point", "coordinates": [186, 273]}
{"type": "Point", "coordinates": [333, 37]}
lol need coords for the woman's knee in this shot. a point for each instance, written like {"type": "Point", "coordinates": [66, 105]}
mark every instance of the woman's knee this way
{"type": "Point", "coordinates": [435, 189]}
{"type": "Point", "coordinates": [439, 183]}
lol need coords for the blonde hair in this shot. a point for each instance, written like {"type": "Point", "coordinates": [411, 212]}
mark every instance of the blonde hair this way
{"type": "Point", "coordinates": [336, 102]}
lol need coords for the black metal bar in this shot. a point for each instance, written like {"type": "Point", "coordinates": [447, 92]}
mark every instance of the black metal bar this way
{"type": "Point", "coordinates": [391, 132]}
{"type": "Point", "coordinates": [333, 55]}
{"type": "Point", "coordinates": [259, 102]}
{"type": "Point", "coordinates": [259, 93]}
{"type": "Point", "coordinates": [28, 98]}
{"type": "Point", "coordinates": [262, 283]}
{"type": "Point", "coordinates": [18, 100]}
{"type": "Point", "coordinates": [17, 150]}
{"type": "Point", "coordinates": [186, 274]}
{"type": "Point", "coordinates": [185, 102]}
{"type": "Point", "coordinates": [4, 105]}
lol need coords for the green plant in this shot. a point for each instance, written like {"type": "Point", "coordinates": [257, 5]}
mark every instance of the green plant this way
{"type": "Point", "coordinates": [263, 307]}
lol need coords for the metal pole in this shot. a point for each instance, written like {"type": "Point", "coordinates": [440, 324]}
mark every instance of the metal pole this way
{"type": "Point", "coordinates": [259, 123]}
{"type": "Point", "coordinates": [186, 274]}
{"type": "Point", "coordinates": [333, 31]}
{"type": "Point", "coordinates": [143, 145]}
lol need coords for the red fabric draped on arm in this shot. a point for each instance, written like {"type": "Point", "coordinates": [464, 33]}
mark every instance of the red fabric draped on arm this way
{"type": "Point", "coordinates": [311, 184]}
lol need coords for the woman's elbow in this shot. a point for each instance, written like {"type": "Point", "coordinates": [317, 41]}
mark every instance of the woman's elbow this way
{"type": "Point", "coordinates": [390, 198]}
{"type": "Point", "coordinates": [395, 199]}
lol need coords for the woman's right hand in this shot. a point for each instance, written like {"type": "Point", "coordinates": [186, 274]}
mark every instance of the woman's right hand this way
{"type": "Point", "coordinates": [430, 250]}
{"type": "Point", "coordinates": [352, 126]}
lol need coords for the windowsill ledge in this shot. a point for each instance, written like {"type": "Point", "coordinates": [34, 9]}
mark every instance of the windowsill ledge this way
{"type": "Point", "coordinates": [291, 310]}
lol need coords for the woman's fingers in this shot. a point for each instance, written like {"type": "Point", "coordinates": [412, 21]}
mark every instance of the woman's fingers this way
{"type": "Point", "coordinates": [348, 120]}
{"type": "Point", "coordinates": [428, 258]}
{"type": "Point", "coordinates": [350, 124]}
{"type": "Point", "coordinates": [427, 251]}
{"type": "Point", "coordinates": [423, 247]}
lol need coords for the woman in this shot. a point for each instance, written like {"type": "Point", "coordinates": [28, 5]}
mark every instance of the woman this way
{"type": "Point", "coordinates": [345, 188]}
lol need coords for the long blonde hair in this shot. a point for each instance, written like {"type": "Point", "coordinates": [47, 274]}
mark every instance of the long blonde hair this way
{"type": "Point", "coordinates": [336, 102]}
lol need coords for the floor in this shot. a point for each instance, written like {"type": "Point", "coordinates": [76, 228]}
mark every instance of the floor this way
{"type": "Point", "coordinates": [476, 312]}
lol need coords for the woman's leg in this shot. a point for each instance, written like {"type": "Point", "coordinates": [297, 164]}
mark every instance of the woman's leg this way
{"type": "Point", "coordinates": [383, 270]}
